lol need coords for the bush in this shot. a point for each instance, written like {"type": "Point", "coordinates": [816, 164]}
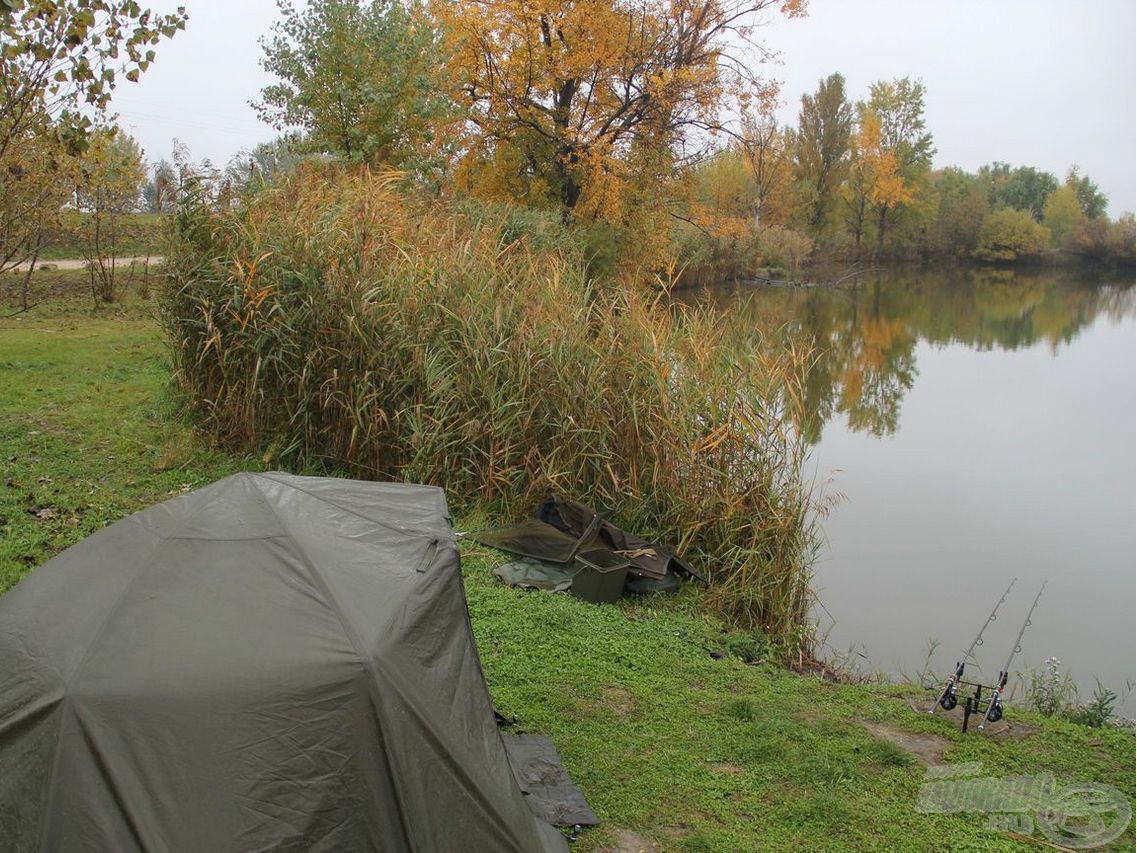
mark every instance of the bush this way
{"type": "Point", "coordinates": [1096, 711]}
{"type": "Point", "coordinates": [333, 321]}
{"type": "Point", "coordinates": [1010, 235]}
{"type": "Point", "coordinates": [1050, 692]}
{"type": "Point", "coordinates": [1054, 694]}
{"type": "Point", "coordinates": [785, 248]}
{"type": "Point", "coordinates": [1101, 241]}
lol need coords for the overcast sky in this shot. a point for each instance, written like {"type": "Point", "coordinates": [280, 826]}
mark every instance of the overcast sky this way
{"type": "Point", "coordinates": [1030, 82]}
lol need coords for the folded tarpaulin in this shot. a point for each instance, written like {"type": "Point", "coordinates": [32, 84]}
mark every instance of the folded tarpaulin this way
{"type": "Point", "coordinates": [647, 558]}
{"type": "Point", "coordinates": [550, 792]}
{"type": "Point", "coordinates": [535, 539]}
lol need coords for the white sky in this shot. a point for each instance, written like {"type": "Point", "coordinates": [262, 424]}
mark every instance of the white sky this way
{"type": "Point", "coordinates": [1045, 83]}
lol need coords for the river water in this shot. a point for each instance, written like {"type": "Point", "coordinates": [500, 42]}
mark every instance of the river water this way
{"type": "Point", "coordinates": [973, 425]}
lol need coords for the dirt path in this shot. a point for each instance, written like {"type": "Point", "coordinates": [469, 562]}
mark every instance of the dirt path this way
{"type": "Point", "coordinates": [81, 263]}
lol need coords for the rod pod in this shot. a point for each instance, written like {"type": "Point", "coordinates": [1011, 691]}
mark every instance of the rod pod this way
{"type": "Point", "coordinates": [947, 698]}
{"type": "Point", "coordinates": [995, 706]}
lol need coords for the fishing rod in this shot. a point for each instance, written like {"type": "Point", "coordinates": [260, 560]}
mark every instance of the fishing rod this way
{"type": "Point", "coordinates": [948, 698]}
{"type": "Point", "coordinates": [995, 706]}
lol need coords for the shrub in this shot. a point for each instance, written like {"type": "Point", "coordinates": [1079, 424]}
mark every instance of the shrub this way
{"type": "Point", "coordinates": [1050, 692]}
{"type": "Point", "coordinates": [1101, 241]}
{"type": "Point", "coordinates": [785, 248]}
{"type": "Point", "coordinates": [331, 320]}
{"type": "Point", "coordinates": [1010, 235]}
{"type": "Point", "coordinates": [1096, 711]}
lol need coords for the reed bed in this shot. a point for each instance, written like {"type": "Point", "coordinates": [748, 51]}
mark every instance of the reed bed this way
{"type": "Point", "coordinates": [334, 320]}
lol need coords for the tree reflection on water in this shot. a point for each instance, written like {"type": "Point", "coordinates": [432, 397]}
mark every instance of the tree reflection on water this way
{"type": "Point", "coordinates": [864, 335]}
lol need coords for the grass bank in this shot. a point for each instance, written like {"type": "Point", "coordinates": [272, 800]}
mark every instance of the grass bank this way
{"type": "Point", "coordinates": [676, 750]}
{"type": "Point", "coordinates": [136, 234]}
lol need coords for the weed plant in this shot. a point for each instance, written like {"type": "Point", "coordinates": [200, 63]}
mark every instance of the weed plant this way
{"type": "Point", "coordinates": [335, 320]}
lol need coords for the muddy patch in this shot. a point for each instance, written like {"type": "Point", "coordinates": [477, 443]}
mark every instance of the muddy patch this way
{"type": "Point", "coordinates": [929, 749]}
{"type": "Point", "coordinates": [1006, 729]}
{"type": "Point", "coordinates": [620, 701]}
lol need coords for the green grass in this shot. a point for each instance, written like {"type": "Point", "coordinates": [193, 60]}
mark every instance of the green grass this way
{"type": "Point", "coordinates": [668, 743]}
{"type": "Point", "coordinates": [67, 293]}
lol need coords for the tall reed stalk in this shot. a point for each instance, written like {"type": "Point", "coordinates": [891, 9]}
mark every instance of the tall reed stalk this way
{"type": "Point", "coordinates": [333, 319]}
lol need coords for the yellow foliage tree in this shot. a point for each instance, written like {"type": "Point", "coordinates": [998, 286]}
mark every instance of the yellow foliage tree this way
{"type": "Point", "coordinates": [875, 181]}
{"type": "Point", "coordinates": [1062, 214]}
{"type": "Point", "coordinates": [595, 95]}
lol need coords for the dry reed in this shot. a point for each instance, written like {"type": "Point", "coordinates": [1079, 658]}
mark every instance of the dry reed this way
{"type": "Point", "coordinates": [335, 320]}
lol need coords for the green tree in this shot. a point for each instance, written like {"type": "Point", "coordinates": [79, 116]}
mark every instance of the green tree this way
{"type": "Point", "coordinates": [1010, 235]}
{"type": "Point", "coordinates": [56, 55]}
{"type": "Point", "coordinates": [899, 105]}
{"type": "Point", "coordinates": [1092, 200]}
{"type": "Point", "coordinates": [265, 162]}
{"type": "Point", "coordinates": [1025, 188]}
{"type": "Point", "coordinates": [358, 78]}
{"type": "Point", "coordinates": [961, 205]}
{"type": "Point", "coordinates": [825, 126]}
{"type": "Point", "coordinates": [768, 151]}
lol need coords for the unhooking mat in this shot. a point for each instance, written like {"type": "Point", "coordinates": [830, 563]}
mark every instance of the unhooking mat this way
{"type": "Point", "coordinates": [536, 574]}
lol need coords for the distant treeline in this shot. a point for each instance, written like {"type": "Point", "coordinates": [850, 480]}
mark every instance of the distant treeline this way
{"type": "Point", "coordinates": [855, 180]}
{"type": "Point", "coordinates": [643, 132]}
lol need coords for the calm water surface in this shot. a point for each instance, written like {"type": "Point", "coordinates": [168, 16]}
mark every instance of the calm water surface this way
{"type": "Point", "coordinates": [977, 425]}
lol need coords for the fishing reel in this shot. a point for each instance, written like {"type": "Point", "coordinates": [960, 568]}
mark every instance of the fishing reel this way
{"type": "Point", "coordinates": [995, 712]}
{"type": "Point", "coordinates": [995, 708]}
{"type": "Point", "coordinates": [949, 698]}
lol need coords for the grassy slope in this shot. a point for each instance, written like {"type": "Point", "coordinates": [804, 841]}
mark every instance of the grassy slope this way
{"type": "Point", "coordinates": [683, 750]}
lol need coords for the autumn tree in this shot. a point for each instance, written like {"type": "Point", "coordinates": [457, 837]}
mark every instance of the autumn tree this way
{"type": "Point", "coordinates": [593, 95]}
{"type": "Point", "coordinates": [1099, 240]}
{"type": "Point", "coordinates": [359, 78]}
{"type": "Point", "coordinates": [1061, 214]}
{"type": "Point", "coordinates": [875, 181]}
{"type": "Point", "coordinates": [60, 61]}
{"type": "Point", "coordinates": [899, 106]}
{"type": "Point", "coordinates": [825, 126]}
{"type": "Point", "coordinates": [32, 191]}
